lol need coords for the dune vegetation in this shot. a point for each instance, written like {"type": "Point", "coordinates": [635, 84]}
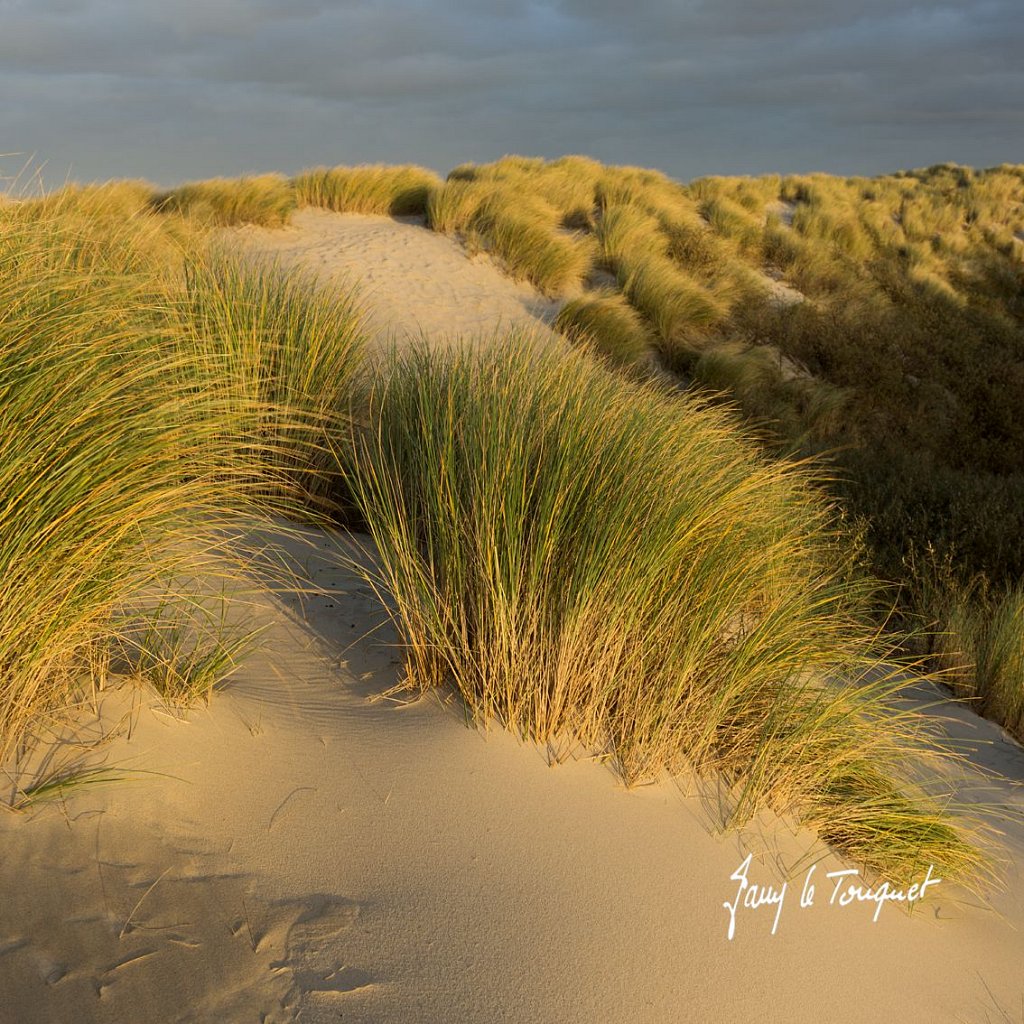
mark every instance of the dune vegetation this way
{"type": "Point", "coordinates": [270, 199]}
{"type": "Point", "coordinates": [607, 321]}
{"type": "Point", "coordinates": [266, 199]}
{"type": "Point", "coordinates": [596, 563]}
{"type": "Point", "coordinates": [591, 557]}
{"type": "Point", "coordinates": [877, 324]}
{"type": "Point", "coordinates": [397, 191]}
{"type": "Point", "coordinates": [138, 419]}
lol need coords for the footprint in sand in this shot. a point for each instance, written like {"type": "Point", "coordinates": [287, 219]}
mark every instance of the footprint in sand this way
{"type": "Point", "coordinates": [315, 949]}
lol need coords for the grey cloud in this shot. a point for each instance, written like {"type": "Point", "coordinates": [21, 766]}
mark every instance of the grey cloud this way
{"type": "Point", "coordinates": [184, 88]}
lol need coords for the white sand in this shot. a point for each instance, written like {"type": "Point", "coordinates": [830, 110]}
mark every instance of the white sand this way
{"type": "Point", "coordinates": [303, 854]}
{"type": "Point", "coordinates": [779, 290]}
{"type": "Point", "coordinates": [784, 209]}
{"type": "Point", "coordinates": [412, 281]}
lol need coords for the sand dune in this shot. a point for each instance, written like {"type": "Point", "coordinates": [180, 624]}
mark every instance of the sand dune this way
{"type": "Point", "coordinates": [412, 281]}
{"type": "Point", "coordinates": [300, 852]}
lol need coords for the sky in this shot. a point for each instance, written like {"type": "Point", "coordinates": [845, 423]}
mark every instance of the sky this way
{"type": "Point", "coordinates": [171, 90]}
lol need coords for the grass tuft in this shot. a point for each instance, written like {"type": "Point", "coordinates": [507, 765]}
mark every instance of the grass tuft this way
{"type": "Point", "coordinates": [592, 561]}
{"type": "Point", "coordinates": [265, 199]}
{"type": "Point", "coordinates": [144, 407]}
{"type": "Point", "coordinates": [609, 324]}
{"type": "Point", "coordinates": [399, 191]}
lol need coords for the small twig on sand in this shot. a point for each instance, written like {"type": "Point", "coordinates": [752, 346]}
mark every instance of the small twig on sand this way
{"type": "Point", "coordinates": [127, 923]}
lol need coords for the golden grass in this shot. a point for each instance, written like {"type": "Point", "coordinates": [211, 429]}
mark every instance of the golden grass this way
{"type": "Point", "coordinates": [908, 336]}
{"type": "Point", "coordinates": [135, 427]}
{"type": "Point", "coordinates": [398, 191]}
{"type": "Point", "coordinates": [609, 324]}
{"type": "Point", "coordinates": [452, 208]}
{"type": "Point", "coordinates": [526, 237]}
{"type": "Point", "coordinates": [676, 304]}
{"type": "Point", "coordinates": [979, 644]}
{"type": "Point", "coordinates": [595, 563]}
{"type": "Point", "coordinates": [266, 199]}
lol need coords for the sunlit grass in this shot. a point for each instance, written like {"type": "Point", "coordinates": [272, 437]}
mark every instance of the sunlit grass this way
{"type": "Point", "coordinates": [609, 324]}
{"type": "Point", "coordinates": [397, 191]}
{"type": "Point", "coordinates": [293, 351]}
{"type": "Point", "coordinates": [266, 199]}
{"type": "Point", "coordinates": [135, 427]}
{"type": "Point", "coordinates": [527, 238]}
{"type": "Point", "coordinates": [591, 561]}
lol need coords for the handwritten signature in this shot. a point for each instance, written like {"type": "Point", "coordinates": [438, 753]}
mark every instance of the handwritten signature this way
{"type": "Point", "coordinates": [845, 891]}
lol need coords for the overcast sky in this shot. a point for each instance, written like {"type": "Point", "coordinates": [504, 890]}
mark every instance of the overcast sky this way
{"type": "Point", "coordinates": [176, 89]}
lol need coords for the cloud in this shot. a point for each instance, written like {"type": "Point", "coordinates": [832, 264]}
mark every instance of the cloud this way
{"type": "Point", "coordinates": [184, 88]}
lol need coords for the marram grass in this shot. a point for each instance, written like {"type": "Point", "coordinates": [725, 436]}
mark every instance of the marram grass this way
{"type": "Point", "coordinates": [293, 351]}
{"type": "Point", "coordinates": [526, 237]}
{"type": "Point", "coordinates": [609, 324]}
{"type": "Point", "coordinates": [143, 409]}
{"type": "Point", "coordinates": [589, 560]}
{"type": "Point", "coordinates": [266, 199]}
{"type": "Point", "coordinates": [397, 191]}
{"type": "Point", "coordinates": [113, 445]}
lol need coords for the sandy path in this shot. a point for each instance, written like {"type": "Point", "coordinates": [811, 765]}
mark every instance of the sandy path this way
{"type": "Point", "coordinates": [412, 280]}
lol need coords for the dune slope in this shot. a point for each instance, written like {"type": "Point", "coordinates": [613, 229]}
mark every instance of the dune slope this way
{"type": "Point", "coordinates": [299, 852]}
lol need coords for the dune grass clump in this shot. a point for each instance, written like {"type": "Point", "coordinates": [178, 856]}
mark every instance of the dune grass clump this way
{"type": "Point", "coordinates": [609, 324]}
{"type": "Point", "coordinates": [266, 199]}
{"type": "Point", "coordinates": [452, 208]}
{"type": "Point", "coordinates": [590, 561]}
{"type": "Point", "coordinates": [145, 408]}
{"type": "Point", "coordinates": [113, 446]}
{"type": "Point", "coordinates": [112, 201]}
{"type": "Point", "coordinates": [534, 216]}
{"type": "Point", "coordinates": [568, 185]}
{"type": "Point", "coordinates": [627, 235]}
{"type": "Point", "coordinates": [999, 661]}
{"type": "Point", "coordinates": [526, 238]}
{"type": "Point", "coordinates": [677, 305]}
{"type": "Point", "coordinates": [292, 351]}
{"type": "Point", "coordinates": [398, 191]}
{"type": "Point", "coordinates": [734, 221]}
{"type": "Point", "coordinates": [524, 231]}
{"type": "Point", "coordinates": [980, 644]}
{"type": "Point", "coordinates": [394, 190]}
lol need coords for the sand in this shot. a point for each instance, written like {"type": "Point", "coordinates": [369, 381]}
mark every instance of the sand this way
{"type": "Point", "coordinates": [297, 851]}
{"type": "Point", "coordinates": [412, 281]}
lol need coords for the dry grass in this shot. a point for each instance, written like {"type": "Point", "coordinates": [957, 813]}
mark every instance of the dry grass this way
{"type": "Point", "coordinates": [593, 562]}
{"type": "Point", "coordinates": [907, 340]}
{"type": "Point", "coordinates": [399, 191]}
{"type": "Point", "coordinates": [609, 324]}
{"type": "Point", "coordinates": [134, 428]}
{"type": "Point", "coordinates": [980, 647]}
{"type": "Point", "coordinates": [676, 304]}
{"type": "Point", "coordinates": [266, 199]}
{"type": "Point", "coordinates": [293, 352]}
{"type": "Point", "coordinates": [525, 236]}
